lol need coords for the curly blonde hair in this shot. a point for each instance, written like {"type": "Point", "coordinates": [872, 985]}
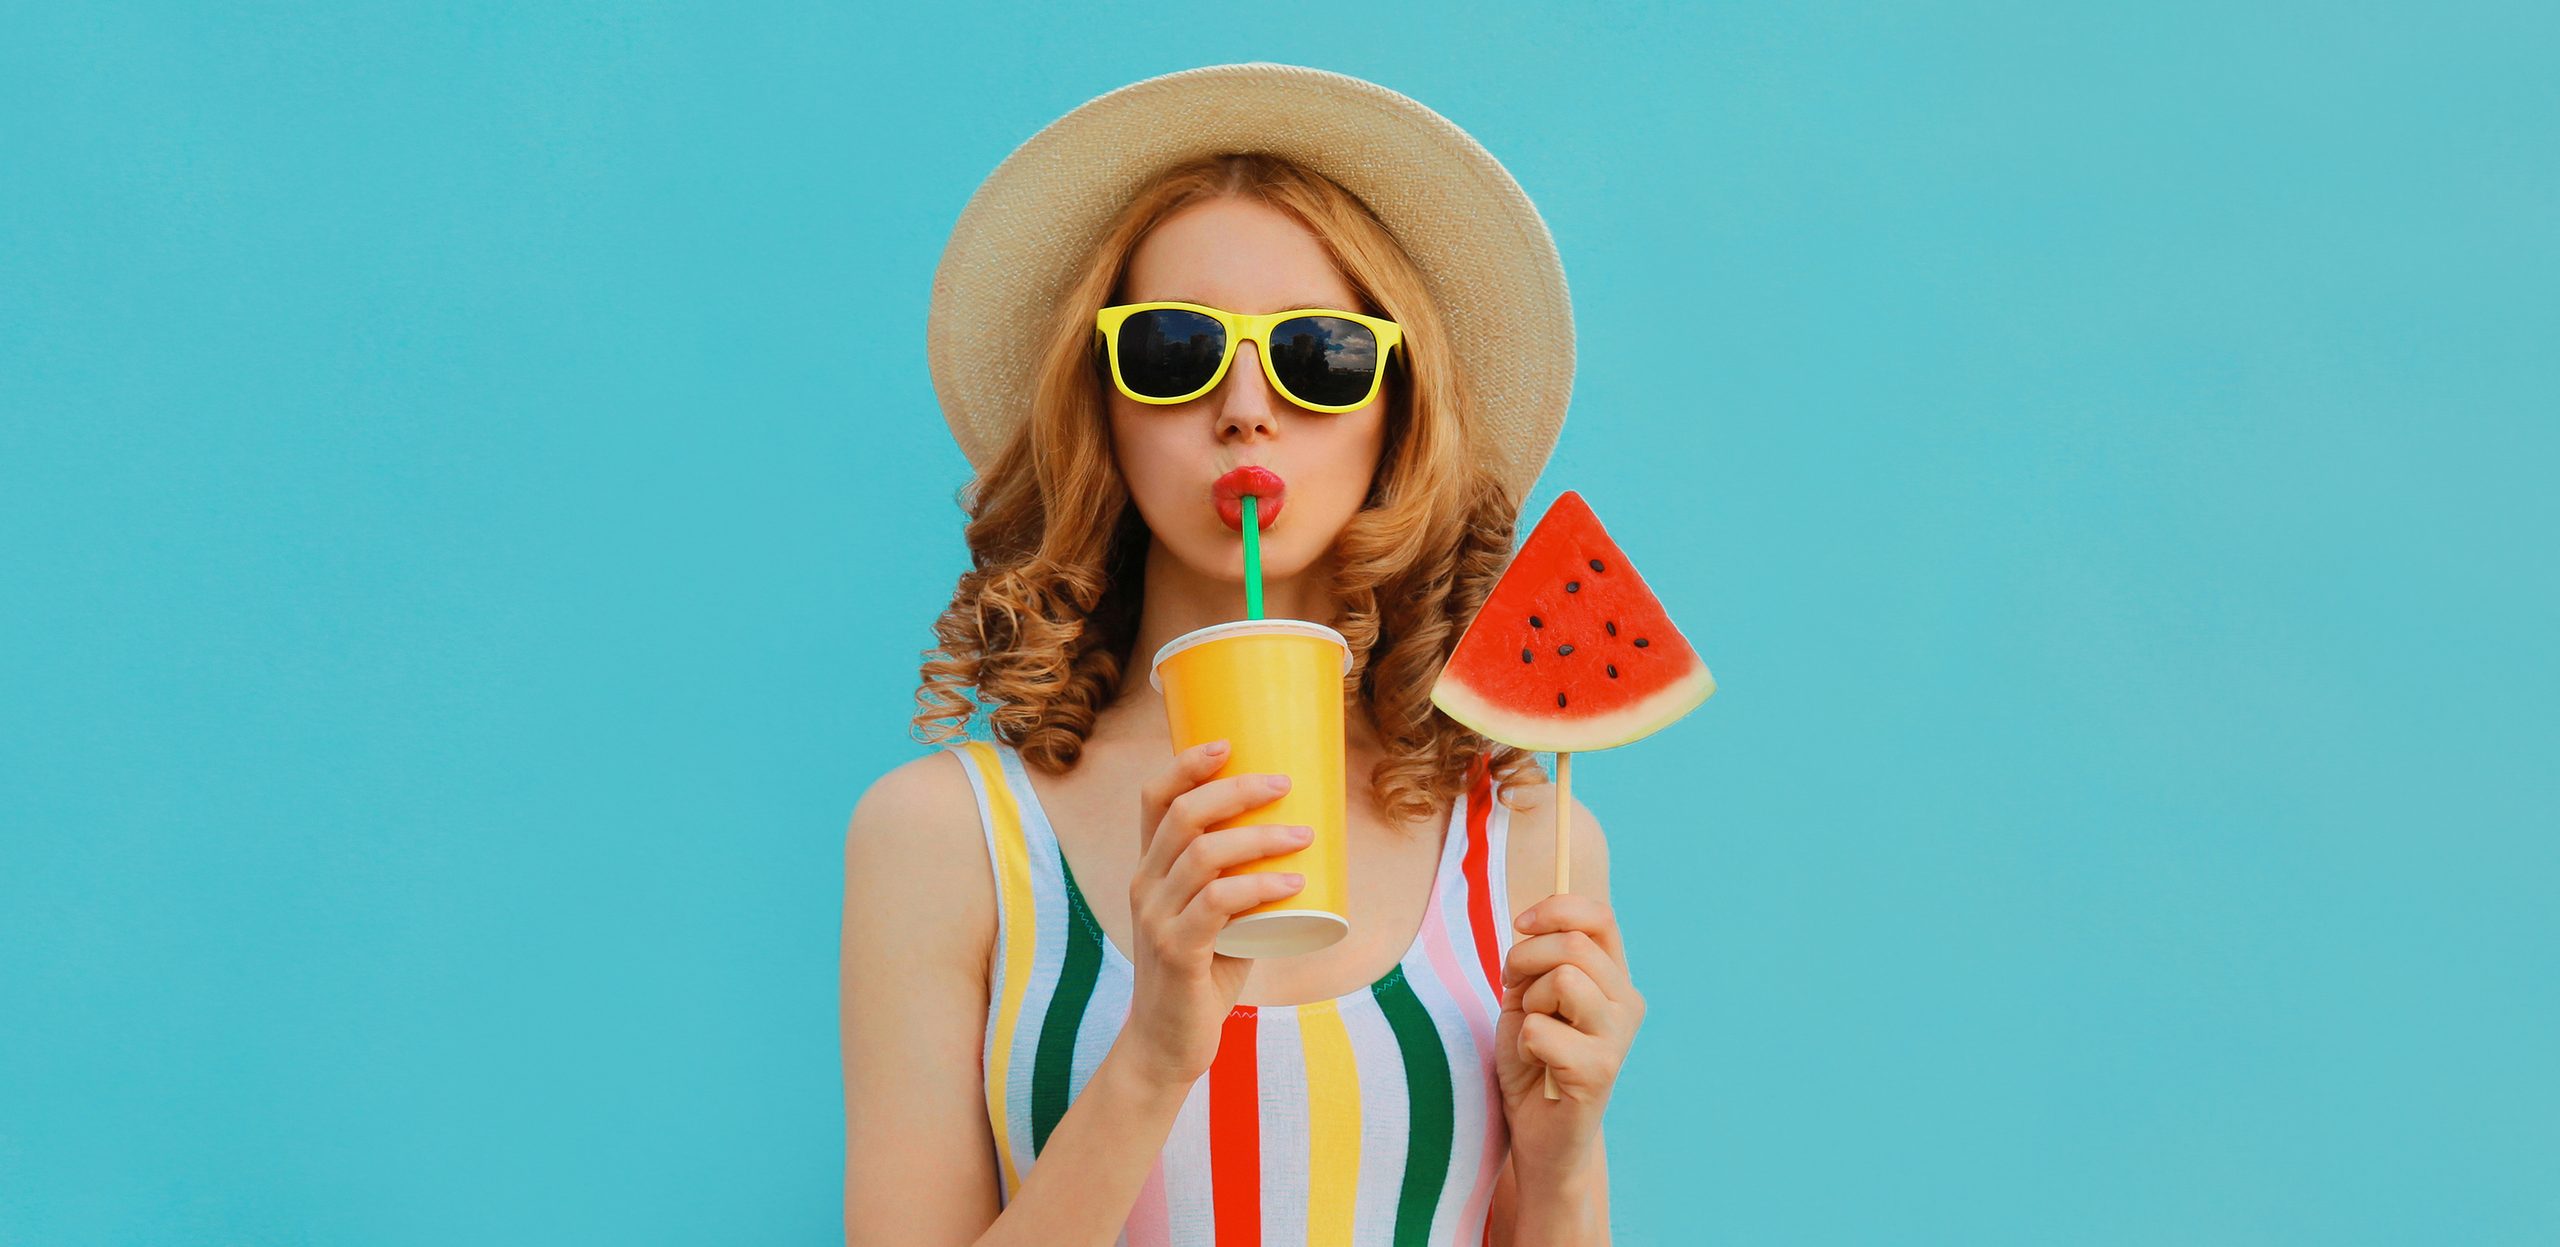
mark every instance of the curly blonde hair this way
{"type": "Point", "coordinates": [1041, 626]}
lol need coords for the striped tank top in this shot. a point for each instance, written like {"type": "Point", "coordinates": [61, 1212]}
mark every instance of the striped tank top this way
{"type": "Point", "coordinates": [1371, 1118]}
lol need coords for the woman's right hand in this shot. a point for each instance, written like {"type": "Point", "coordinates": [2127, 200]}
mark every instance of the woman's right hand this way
{"type": "Point", "coordinates": [1179, 903]}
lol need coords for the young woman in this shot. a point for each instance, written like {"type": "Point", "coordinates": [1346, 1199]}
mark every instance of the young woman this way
{"type": "Point", "coordinates": [1030, 1060]}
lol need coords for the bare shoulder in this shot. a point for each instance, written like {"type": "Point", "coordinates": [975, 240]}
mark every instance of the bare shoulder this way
{"type": "Point", "coordinates": [916, 856]}
{"type": "Point", "coordinates": [1531, 855]}
{"type": "Point", "coordinates": [928, 785]}
{"type": "Point", "coordinates": [919, 924]}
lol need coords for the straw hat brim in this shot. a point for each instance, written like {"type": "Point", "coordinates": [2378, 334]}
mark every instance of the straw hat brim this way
{"type": "Point", "coordinates": [1480, 243]}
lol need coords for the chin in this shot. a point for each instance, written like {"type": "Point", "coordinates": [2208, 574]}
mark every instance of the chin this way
{"type": "Point", "coordinates": [1217, 551]}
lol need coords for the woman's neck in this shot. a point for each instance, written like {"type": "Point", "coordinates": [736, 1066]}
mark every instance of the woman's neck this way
{"type": "Point", "coordinates": [1178, 598]}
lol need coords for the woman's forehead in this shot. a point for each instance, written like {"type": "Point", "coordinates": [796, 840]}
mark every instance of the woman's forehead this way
{"type": "Point", "coordinates": [1237, 254]}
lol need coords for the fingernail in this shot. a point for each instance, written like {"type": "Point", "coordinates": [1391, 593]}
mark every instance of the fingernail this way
{"type": "Point", "coordinates": [1302, 834]}
{"type": "Point", "coordinates": [1294, 880]}
{"type": "Point", "coordinates": [1526, 920]}
{"type": "Point", "coordinates": [1217, 747]}
{"type": "Point", "coordinates": [1279, 783]}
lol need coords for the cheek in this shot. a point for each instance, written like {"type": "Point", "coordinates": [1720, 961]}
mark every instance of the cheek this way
{"type": "Point", "coordinates": [1146, 463]}
{"type": "Point", "coordinates": [1352, 457]}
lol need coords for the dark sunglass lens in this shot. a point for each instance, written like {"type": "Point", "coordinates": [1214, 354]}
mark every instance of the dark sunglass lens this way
{"type": "Point", "coordinates": [1168, 352]}
{"type": "Point", "coordinates": [1325, 359]}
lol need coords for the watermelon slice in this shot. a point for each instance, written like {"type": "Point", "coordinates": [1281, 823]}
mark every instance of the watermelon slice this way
{"type": "Point", "coordinates": [1571, 652]}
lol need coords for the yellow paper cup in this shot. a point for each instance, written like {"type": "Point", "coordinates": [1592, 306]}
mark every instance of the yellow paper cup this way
{"type": "Point", "coordinates": [1272, 688]}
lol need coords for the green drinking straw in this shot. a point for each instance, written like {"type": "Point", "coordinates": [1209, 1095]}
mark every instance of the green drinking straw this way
{"type": "Point", "coordinates": [1252, 560]}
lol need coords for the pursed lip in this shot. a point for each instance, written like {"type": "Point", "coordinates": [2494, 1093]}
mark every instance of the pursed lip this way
{"type": "Point", "coordinates": [1228, 491]}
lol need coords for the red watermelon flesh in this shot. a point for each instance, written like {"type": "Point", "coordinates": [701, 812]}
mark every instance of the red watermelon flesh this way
{"type": "Point", "coordinates": [1571, 651]}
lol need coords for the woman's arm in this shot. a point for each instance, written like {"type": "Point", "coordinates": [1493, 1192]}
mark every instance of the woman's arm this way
{"type": "Point", "coordinates": [1552, 1206]}
{"type": "Point", "coordinates": [919, 931]}
{"type": "Point", "coordinates": [1574, 1210]}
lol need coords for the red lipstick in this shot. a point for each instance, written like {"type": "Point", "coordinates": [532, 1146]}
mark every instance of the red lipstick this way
{"type": "Point", "coordinates": [1228, 492]}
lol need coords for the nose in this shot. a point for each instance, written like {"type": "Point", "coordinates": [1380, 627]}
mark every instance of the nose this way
{"type": "Point", "coordinates": [1245, 400]}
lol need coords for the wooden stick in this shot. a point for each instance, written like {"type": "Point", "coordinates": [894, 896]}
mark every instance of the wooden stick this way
{"type": "Point", "coordinates": [1564, 853]}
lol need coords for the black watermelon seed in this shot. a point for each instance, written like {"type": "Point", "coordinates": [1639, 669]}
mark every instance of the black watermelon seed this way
{"type": "Point", "coordinates": [1536, 622]}
{"type": "Point", "coordinates": [1573, 586]}
{"type": "Point", "coordinates": [1613, 627]}
{"type": "Point", "coordinates": [1559, 701]}
{"type": "Point", "coordinates": [1564, 649]}
{"type": "Point", "coordinates": [1613, 671]}
{"type": "Point", "coordinates": [1595, 566]}
{"type": "Point", "coordinates": [1524, 653]}
{"type": "Point", "coordinates": [1641, 642]}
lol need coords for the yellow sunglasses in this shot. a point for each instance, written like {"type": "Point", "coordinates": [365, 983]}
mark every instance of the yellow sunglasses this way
{"type": "Point", "coordinates": [1322, 359]}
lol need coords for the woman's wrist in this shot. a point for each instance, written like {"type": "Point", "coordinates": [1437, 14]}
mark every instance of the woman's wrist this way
{"type": "Point", "coordinates": [1567, 1182]}
{"type": "Point", "coordinates": [1096, 1161]}
{"type": "Point", "coordinates": [1566, 1205]}
{"type": "Point", "coordinates": [1140, 1082]}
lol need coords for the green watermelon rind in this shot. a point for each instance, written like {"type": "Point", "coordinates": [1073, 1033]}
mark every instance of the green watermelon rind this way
{"type": "Point", "coordinates": [1547, 734]}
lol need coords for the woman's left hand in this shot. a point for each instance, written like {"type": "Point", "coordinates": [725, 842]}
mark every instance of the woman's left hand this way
{"type": "Point", "coordinates": [1568, 1005]}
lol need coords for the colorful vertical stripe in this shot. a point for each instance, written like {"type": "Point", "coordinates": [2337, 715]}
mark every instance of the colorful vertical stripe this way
{"type": "Point", "coordinates": [1280, 1068]}
{"type": "Point", "coordinates": [1385, 1132]}
{"type": "Point", "coordinates": [1333, 1123]}
{"type": "Point", "coordinates": [1065, 1017]}
{"type": "Point", "coordinates": [1235, 1132]}
{"type": "Point", "coordinates": [1371, 1118]}
{"type": "Point", "coordinates": [1480, 897]}
{"type": "Point", "coordinates": [1014, 913]}
{"type": "Point", "coordinates": [1427, 1091]}
{"type": "Point", "coordinates": [1446, 931]}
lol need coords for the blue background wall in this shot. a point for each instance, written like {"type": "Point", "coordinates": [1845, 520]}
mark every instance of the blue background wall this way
{"type": "Point", "coordinates": [472, 502]}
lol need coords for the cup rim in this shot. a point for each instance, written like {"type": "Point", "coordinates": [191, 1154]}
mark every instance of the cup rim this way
{"type": "Point", "coordinates": [1243, 627]}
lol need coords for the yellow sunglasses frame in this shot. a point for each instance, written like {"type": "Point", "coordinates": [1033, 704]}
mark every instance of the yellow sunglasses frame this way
{"type": "Point", "coordinates": [1240, 328]}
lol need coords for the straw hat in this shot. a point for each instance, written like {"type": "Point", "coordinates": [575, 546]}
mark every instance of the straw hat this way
{"type": "Point", "coordinates": [1480, 243]}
